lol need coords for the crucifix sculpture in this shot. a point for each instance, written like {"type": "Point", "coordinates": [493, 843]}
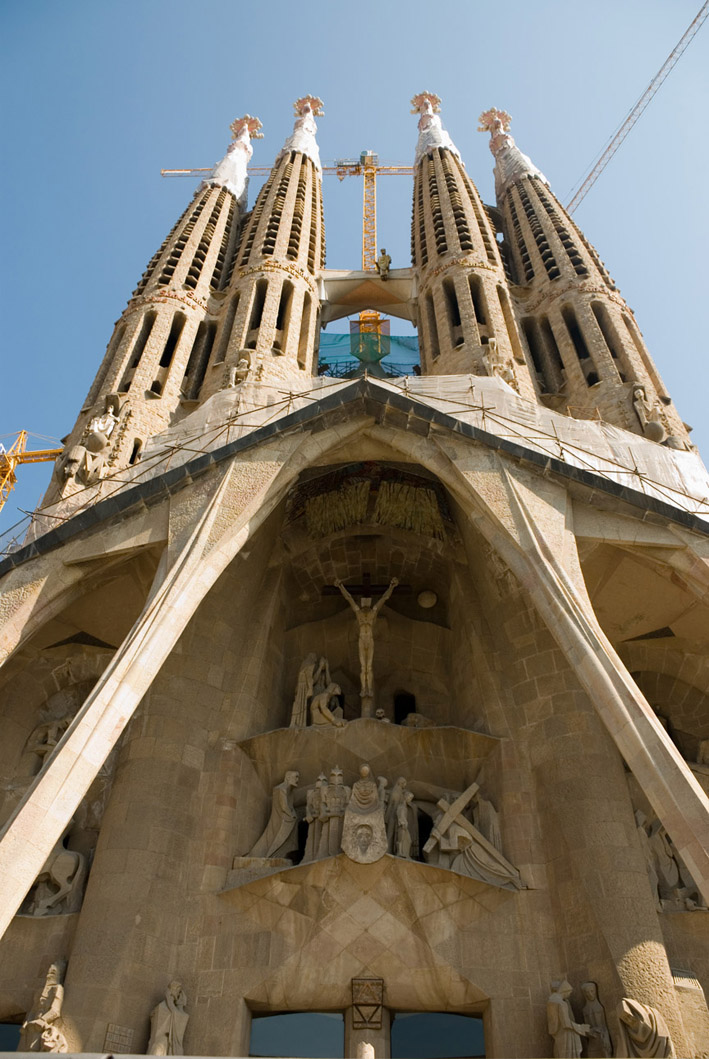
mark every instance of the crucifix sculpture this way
{"type": "Point", "coordinates": [366, 615]}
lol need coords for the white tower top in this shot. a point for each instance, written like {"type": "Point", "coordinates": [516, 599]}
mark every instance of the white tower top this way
{"type": "Point", "coordinates": [431, 131]}
{"type": "Point", "coordinates": [231, 173]}
{"type": "Point", "coordinates": [510, 163]}
{"type": "Point", "coordinates": [303, 138]}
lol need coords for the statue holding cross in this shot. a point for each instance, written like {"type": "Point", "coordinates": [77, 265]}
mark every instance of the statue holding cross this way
{"type": "Point", "coordinates": [366, 615]}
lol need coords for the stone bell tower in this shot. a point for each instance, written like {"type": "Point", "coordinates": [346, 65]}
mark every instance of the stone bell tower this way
{"type": "Point", "coordinates": [363, 714]}
{"type": "Point", "coordinates": [588, 353]}
{"type": "Point", "coordinates": [164, 336]}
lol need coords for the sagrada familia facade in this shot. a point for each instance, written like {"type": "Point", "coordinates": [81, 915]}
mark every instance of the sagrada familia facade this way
{"type": "Point", "coordinates": [370, 697]}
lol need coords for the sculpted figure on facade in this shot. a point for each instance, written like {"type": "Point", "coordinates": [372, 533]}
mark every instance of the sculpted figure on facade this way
{"type": "Point", "coordinates": [566, 1034]}
{"type": "Point", "coordinates": [673, 886]}
{"type": "Point", "coordinates": [400, 816]}
{"type": "Point", "coordinates": [599, 1044]}
{"type": "Point", "coordinates": [487, 820]}
{"type": "Point", "coordinates": [643, 1032]}
{"type": "Point", "coordinates": [497, 364]}
{"type": "Point", "coordinates": [39, 1031]}
{"type": "Point", "coordinates": [281, 835]}
{"type": "Point", "coordinates": [45, 737]}
{"type": "Point", "coordinates": [383, 263]}
{"type": "Point", "coordinates": [325, 710]}
{"type": "Point", "coordinates": [649, 415]}
{"type": "Point", "coordinates": [366, 615]}
{"type": "Point", "coordinates": [335, 796]}
{"type": "Point", "coordinates": [703, 752]}
{"type": "Point", "coordinates": [455, 843]}
{"type": "Point", "coordinates": [168, 1022]}
{"type": "Point", "coordinates": [364, 836]}
{"type": "Point", "coordinates": [239, 372]}
{"type": "Point", "coordinates": [314, 819]}
{"type": "Point", "coordinates": [59, 887]}
{"type": "Point", "coordinates": [313, 677]}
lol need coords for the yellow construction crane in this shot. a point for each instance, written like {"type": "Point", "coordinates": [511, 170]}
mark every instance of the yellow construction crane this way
{"type": "Point", "coordinates": [15, 455]}
{"type": "Point", "coordinates": [367, 166]}
{"type": "Point", "coordinates": [635, 112]}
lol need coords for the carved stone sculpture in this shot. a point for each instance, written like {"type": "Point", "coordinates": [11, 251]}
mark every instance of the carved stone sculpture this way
{"type": "Point", "coordinates": [59, 887]}
{"type": "Point", "coordinates": [364, 837]}
{"type": "Point", "coordinates": [418, 720]}
{"type": "Point", "coordinates": [168, 1022]}
{"type": "Point", "coordinates": [487, 820]}
{"type": "Point", "coordinates": [281, 835]}
{"type": "Point", "coordinates": [39, 1032]}
{"type": "Point", "coordinates": [383, 263]}
{"type": "Point", "coordinates": [335, 796]}
{"type": "Point", "coordinates": [239, 372]}
{"type": "Point", "coordinates": [673, 886]}
{"type": "Point", "coordinates": [366, 615]}
{"type": "Point", "coordinates": [321, 715]}
{"type": "Point", "coordinates": [313, 817]}
{"type": "Point", "coordinates": [643, 1032]}
{"type": "Point", "coordinates": [703, 752]}
{"type": "Point", "coordinates": [566, 1034]}
{"type": "Point", "coordinates": [404, 841]}
{"type": "Point", "coordinates": [594, 1014]}
{"type": "Point", "coordinates": [649, 415]}
{"type": "Point", "coordinates": [400, 815]}
{"type": "Point", "coordinates": [313, 676]}
{"type": "Point", "coordinates": [457, 844]}
{"type": "Point", "coordinates": [45, 737]}
{"type": "Point", "coordinates": [498, 365]}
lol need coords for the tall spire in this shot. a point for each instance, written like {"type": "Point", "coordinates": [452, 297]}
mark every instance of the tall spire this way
{"type": "Point", "coordinates": [431, 131]}
{"type": "Point", "coordinates": [307, 108]}
{"type": "Point", "coordinates": [510, 163]}
{"type": "Point", "coordinates": [231, 173]}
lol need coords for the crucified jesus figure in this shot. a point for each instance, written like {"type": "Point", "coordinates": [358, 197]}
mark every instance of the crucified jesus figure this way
{"type": "Point", "coordinates": [366, 615]}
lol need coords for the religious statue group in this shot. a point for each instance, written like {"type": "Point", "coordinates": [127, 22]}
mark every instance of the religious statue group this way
{"type": "Point", "coordinates": [643, 1032]}
{"type": "Point", "coordinates": [372, 817]}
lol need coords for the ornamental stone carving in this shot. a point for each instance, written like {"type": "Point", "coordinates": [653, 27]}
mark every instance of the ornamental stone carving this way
{"type": "Point", "coordinates": [168, 1022]}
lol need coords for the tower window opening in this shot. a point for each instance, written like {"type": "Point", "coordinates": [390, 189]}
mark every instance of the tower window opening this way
{"type": "Point", "coordinates": [579, 344]}
{"type": "Point", "coordinates": [561, 230]}
{"type": "Point", "coordinates": [200, 255]}
{"type": "Point", "coordinates": [283, 319]}
{"type": "Point", "coordinates": [314, 214]}
{"type": "Point", "coordinates": [227, 327]}
{"type": "Point", "coordinates": [481, 217]}
{"type": "Point", "coordinates": [525, 260]}
{"type": "Point", "coordinates": [615, 346]}
{"type": "Point", "coordinates": [177, 250]}
{"type": "Point", "coordinates": [136, 451]}
{"type": "Point", "coordinates": [536, 349]}
{"type": "Point", "coordinates": [421, 219]}
{"type": "Point", "coordinates": [478, 296]}
{"type": "Point", "coordinates": [138, 349]}
{"type": "Point", "coordinates": [453, 310]}
{"type": "Point", "coordinates": [431, 327]}
{"type": "Point", "coordinates": [199, 359]}
{"type": "Point", "coordinates": [178, 322]}
{"type": "Point", "coordinates": [156, 387]}
{"type": "Point", "coordinates": [156, 257]}
{"type": "Point", "coordinates": [439, 229]}
{"type": "Point", "coordinates": [404, 704]}
{"type": "Point", "coordinates": [304, 332]}
{"type": "Point", "coordinates": [456, 201]}
{"type": "Point", "coordinates": [539, 235]}
{"type": "Point", "coordinates": [251, 224]}
{"type": "Point", "coordinates": [296, 228]}
{"type": "Point", "coordinates": [226, 248]}
{"type": "Point", "coordinates": [274, 219]}
{"type": "Point", "coordinates": [256, 312]}
{"type": "Point", "coordinates": [552, 348]}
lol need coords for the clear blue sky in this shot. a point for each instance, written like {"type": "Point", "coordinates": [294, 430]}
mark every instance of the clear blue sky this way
{"type": "Point", "coordinates": [101, 95]}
